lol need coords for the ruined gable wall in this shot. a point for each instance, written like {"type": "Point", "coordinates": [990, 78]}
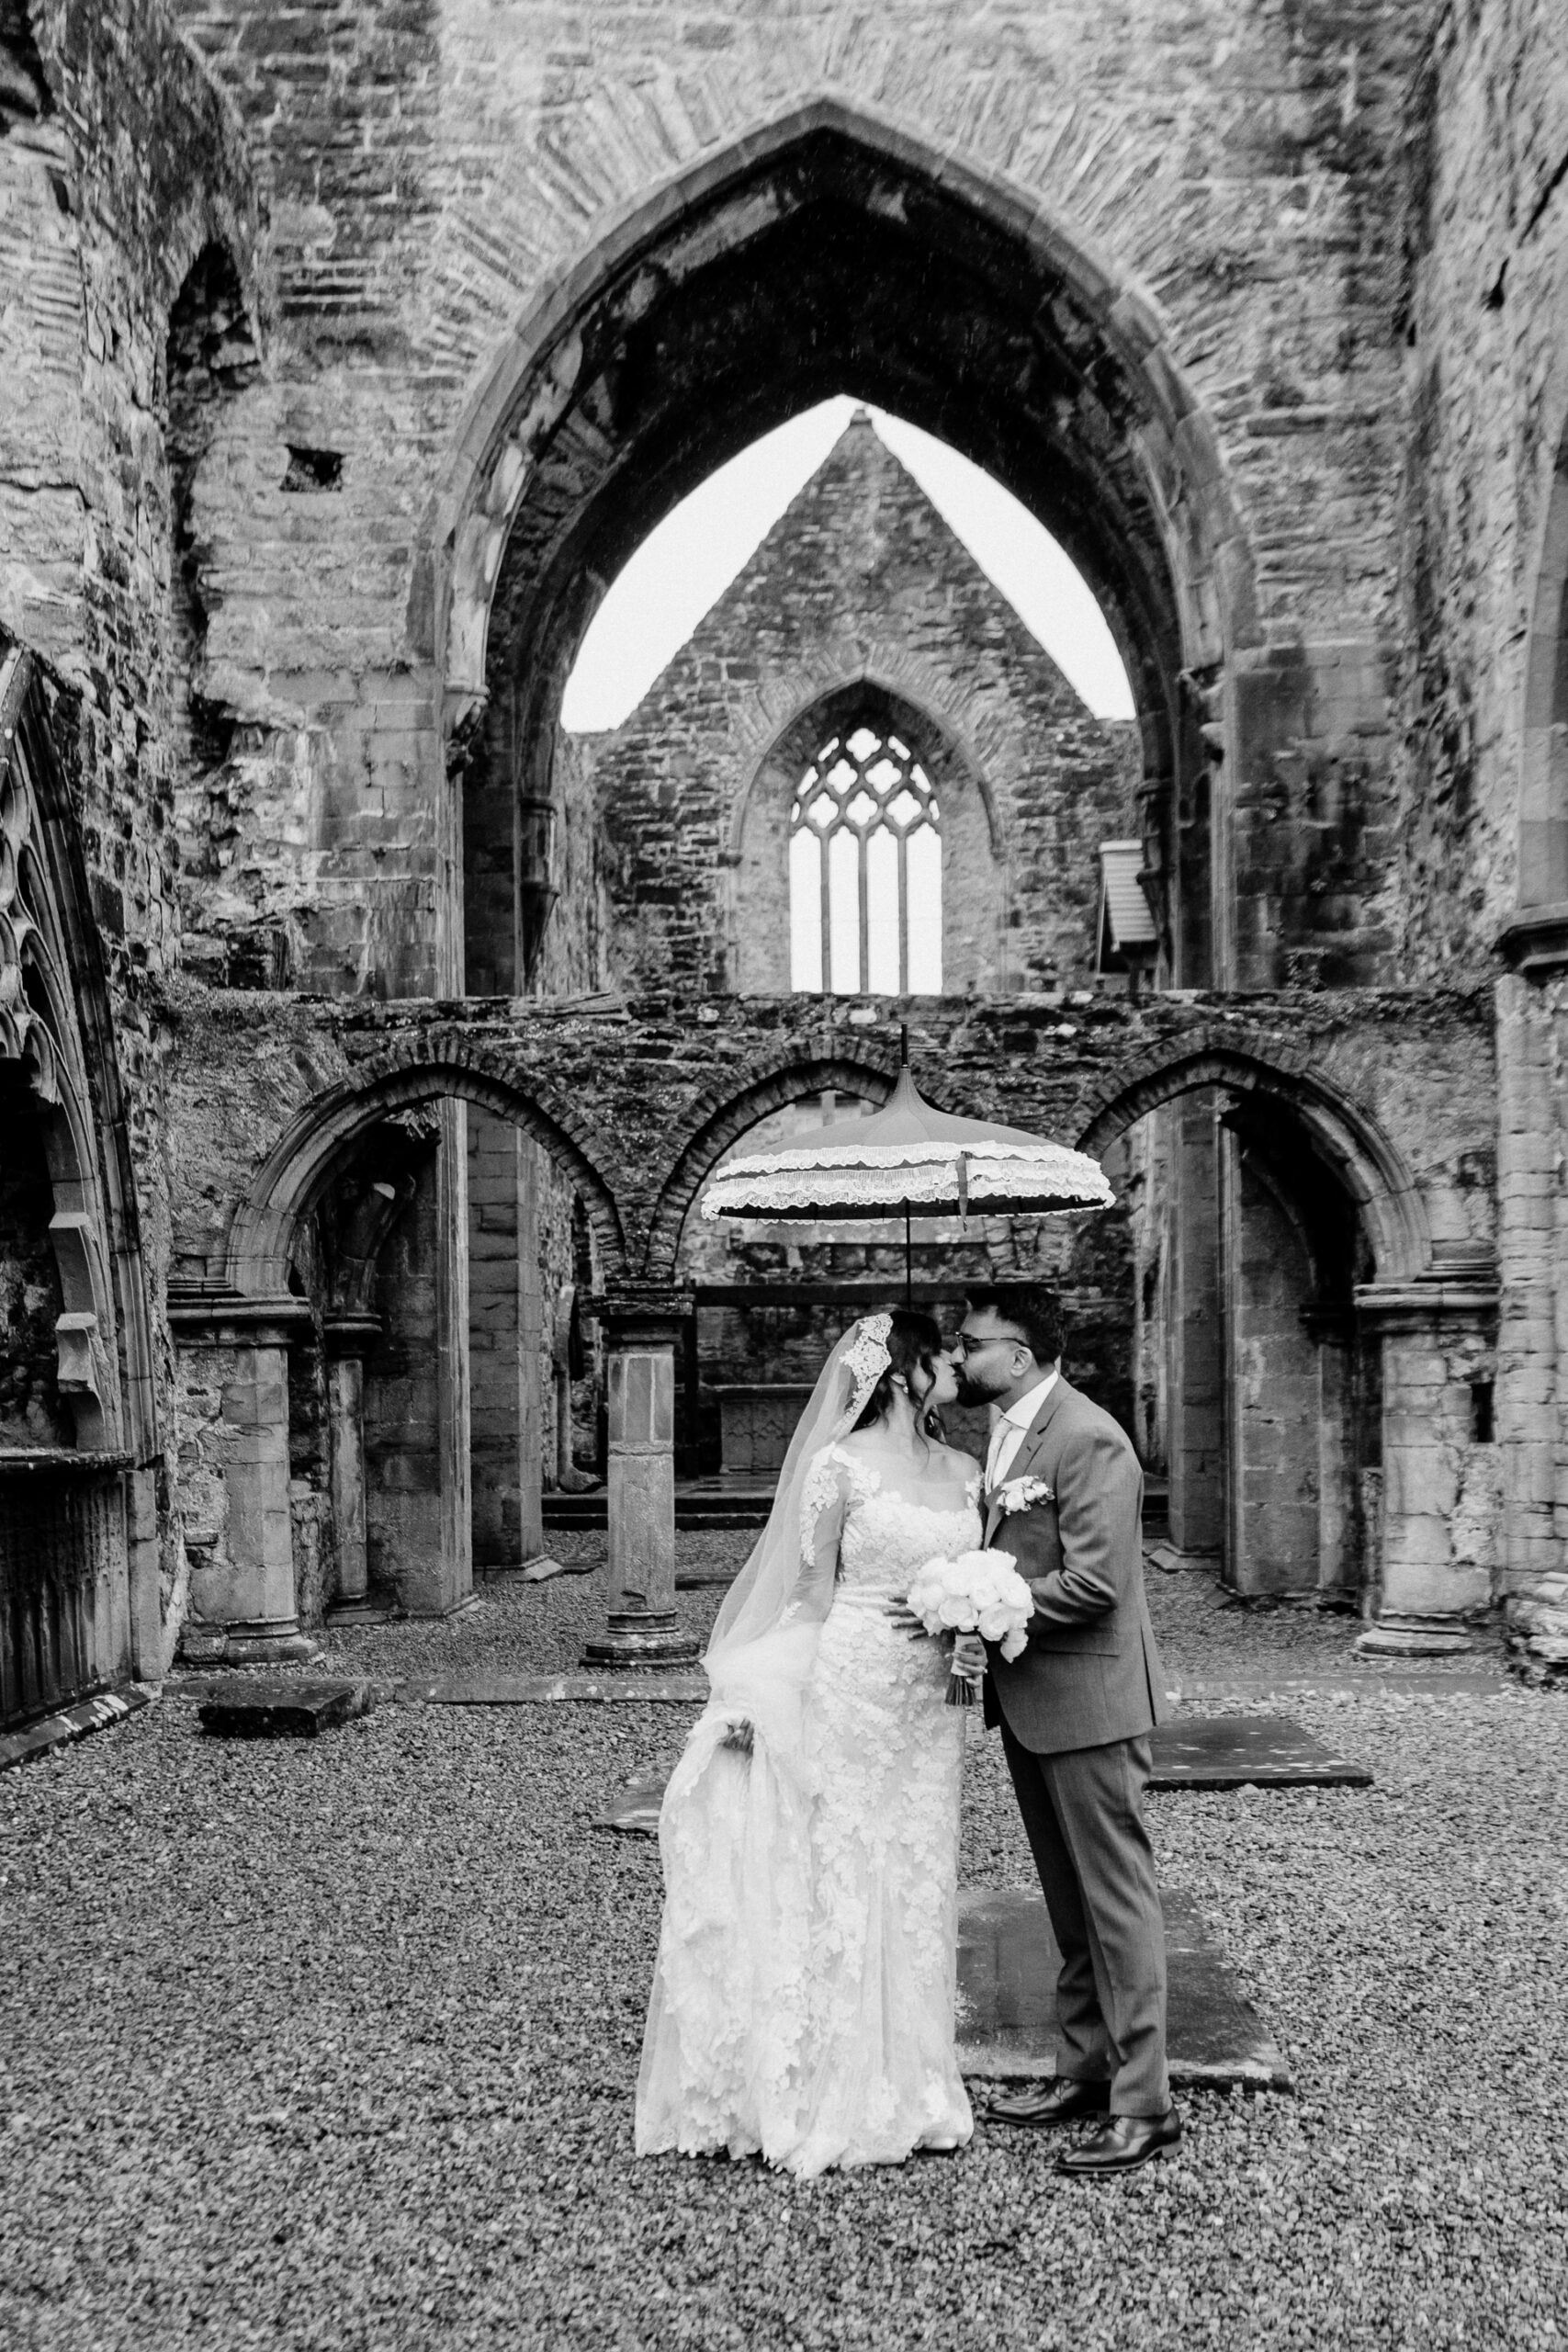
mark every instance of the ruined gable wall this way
{"type": "Point", "coordinates": [1487, 362]}
{"type": "Point", "coordinates": [432, 169]}
{"type": "Point", "coordinates": [859, 576]}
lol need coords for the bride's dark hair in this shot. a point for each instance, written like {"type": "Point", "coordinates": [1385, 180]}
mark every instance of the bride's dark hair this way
{"type": "Point", "coordinates": [913, 1346]}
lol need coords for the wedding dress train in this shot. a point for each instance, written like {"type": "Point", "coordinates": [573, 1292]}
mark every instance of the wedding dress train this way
{"type": "Point", "coordinates": [803, 2000]}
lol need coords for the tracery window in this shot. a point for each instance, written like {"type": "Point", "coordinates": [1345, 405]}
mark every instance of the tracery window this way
{"type": "Point", "coordinates": [866, 871]}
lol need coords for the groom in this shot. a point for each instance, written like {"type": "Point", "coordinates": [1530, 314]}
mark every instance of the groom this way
{"type": "Point", "coordinates": [1064, 1494]}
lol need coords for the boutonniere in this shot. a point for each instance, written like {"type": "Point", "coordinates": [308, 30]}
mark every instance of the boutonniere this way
{"type": "Point", "coordinates": [1023, 1494]}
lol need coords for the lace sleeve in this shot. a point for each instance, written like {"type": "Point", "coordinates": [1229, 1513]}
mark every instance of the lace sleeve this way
{"type": "Point", "coordinates": [823, 1502]}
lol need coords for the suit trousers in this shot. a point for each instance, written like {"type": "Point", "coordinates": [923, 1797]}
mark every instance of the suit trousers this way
{"type": "Point", "coordinates": [1083, 1812]}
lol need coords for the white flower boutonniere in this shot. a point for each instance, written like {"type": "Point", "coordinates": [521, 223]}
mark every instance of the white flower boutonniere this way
{"type": "Point", "coordinates": [1023, 1494]}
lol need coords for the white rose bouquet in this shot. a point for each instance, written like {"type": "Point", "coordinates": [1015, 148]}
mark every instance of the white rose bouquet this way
{"type": "Point", "coordinates": [978, 1592]}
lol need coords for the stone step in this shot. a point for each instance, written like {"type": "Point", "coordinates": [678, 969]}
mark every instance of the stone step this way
{"type": "Point", "coordinates": [248, 1709]}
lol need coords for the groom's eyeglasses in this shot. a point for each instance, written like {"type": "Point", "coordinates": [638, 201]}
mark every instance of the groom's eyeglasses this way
{"type": "Point", "coordinates": [967, 1344]}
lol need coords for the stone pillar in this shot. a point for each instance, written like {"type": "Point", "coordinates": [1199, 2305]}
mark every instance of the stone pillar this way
{"type": "Point", "coordinates": [349, 1338]}
{"type": "Point", "coordinates": [642, 1332]}
{"type": "Point", "coordinates": [1432, 1333]}
{"type": "Point", "coordinates": [1195, 1385]}
{"type": "Point", "coordinates": [448, 1581]}
{"type": "Point", "coordinates": [242, 1604]}
{"type": "Point", "coordinates": [1332, 1328]}
{"type": "Point", "coordinates": [1527, 1189]}
{"type": "Point", "coordinates": [498, 1189]}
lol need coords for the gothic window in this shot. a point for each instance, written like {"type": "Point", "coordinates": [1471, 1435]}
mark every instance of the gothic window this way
{"type": "Point", "coordinates": [866, 871]}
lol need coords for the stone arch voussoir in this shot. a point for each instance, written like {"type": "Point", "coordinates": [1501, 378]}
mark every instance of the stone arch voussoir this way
{"type": "Point", "coordinates": [304, 1161]}
{"type": "Point", "coordinates": [1369, 1164]}
{"type": "Point", "coordinates": [533, 377]}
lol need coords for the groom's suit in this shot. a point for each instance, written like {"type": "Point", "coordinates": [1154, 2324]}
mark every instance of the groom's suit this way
{"type": "Point", "coordinates": [1076, 1710]}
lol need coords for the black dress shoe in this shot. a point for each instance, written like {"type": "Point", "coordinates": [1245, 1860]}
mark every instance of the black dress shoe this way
{"type": "Point", "coordinates": [1062, 2101]}
{"type": "Point", "coordinates": [1127, 2141]}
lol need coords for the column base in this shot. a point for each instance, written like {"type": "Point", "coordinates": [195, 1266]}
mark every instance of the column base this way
{"type": "Point", "coordinates": [1396, 1635]}
{"type": "Point", "coordinates": [360, 1613]}
{"type": "Point", "coordinates": [463, 1608]}
{"type": "Point", "coordinates": [280, 1643]}
{"type": "Point", "coordinates": [643, 1637]}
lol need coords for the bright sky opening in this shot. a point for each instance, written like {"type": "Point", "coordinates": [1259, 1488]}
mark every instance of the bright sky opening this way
{"type": "Point", "coordinates": [689, 560]}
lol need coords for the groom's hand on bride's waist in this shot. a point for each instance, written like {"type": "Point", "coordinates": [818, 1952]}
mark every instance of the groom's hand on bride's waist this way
{"type": "Point", "coordinates": [906, 1621]}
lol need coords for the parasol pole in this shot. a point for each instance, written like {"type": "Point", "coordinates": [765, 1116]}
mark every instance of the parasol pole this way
{"type": "Point", "coordinates": [908, 1242]}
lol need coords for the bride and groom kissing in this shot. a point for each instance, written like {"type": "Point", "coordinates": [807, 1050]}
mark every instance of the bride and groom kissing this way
{"type": "Point", "coordinates": [803, 2002]}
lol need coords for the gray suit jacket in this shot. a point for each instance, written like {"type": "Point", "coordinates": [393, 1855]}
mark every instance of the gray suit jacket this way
{"type": "Point", "coordinates": [1091, 1673]}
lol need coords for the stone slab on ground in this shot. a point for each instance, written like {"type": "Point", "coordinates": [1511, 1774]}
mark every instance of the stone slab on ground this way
{"type": "Point", "coordinates": [637, 1688]}
{"type": "Point", "coordinates": [70, 1723]}
{"type": "Point", "coordinates": [636, 1808]}
{"type": "Point", "coordinates": [1222, 1752]}
{"type": "Point", "coordinates": [293, 1710]}
{"type": "Point", "coordinates": [1249, 1751]}
{"type": "Point", "coordinates": [1007, 1962]}
{"type": "Point", "coordinates": [1355, 1682]}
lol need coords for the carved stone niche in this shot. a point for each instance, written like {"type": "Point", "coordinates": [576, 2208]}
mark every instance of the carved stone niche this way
{"type": "Point", "coordinates": [39, 1033]}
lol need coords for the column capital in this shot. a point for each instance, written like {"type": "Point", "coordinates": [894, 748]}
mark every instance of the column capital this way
{"type": "Point", "coordinates": [351, 1335]}
{"type": "Point", "coordinates": [1429, 1300]}
{"type": "Point", "coordinates": [652, 1313]}
{"type": "Point", "coordinates": [1535, 942]}
{"type": "Point", "coordinates": [227, 1318]}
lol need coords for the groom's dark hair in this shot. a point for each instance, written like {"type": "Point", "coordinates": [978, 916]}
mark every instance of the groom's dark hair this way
{"type": "Point", "coordinates": [1034, 1312]}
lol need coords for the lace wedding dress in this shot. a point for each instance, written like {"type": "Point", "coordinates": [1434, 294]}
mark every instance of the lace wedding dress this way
{"type": "Point", "coordinates": [803, 2002]}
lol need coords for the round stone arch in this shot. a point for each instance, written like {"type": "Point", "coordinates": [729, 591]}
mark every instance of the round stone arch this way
{"type": "Point", "coordinates": [1369, 1166]}
{"type": "Point", "coordinates": [317, 1140]}
{"type": "Point", "coordinates": [757, 913]}
{"type": "Point", "coordinates": [719, 1120]}
{"type": "Point", "coordinates": [957, 302]}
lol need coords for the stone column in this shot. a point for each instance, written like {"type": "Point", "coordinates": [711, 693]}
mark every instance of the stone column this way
{"type": "Point", "coordinates": [642, 1332]}
{"type": "Point", "coordinates": [349, 1339]}
{"type": "Point", "coordinates": [1331, 1328]}
{"type": "Point", "coordinates": [1432, 1333]}
{"type": "Point", "coordinates": [1195, 1385]}
{"type": "Point", "coordinates": [447, 1582]}
{"type": "Point", "coordinates": [1528, 1187]}
{"type": "Point", "coordinates": [242, 1604]}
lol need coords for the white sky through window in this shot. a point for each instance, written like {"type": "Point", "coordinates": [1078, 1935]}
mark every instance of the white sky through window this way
{"type": "Point", "coordinates": [687, 561]}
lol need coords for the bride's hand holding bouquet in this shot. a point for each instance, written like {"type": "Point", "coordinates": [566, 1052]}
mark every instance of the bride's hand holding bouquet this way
{"type": "Point", "coordinates": [978, 1593]}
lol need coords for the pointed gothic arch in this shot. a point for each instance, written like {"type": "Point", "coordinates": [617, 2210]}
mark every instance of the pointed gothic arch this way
{"type": "Point", "coordinates": [833, 244]}
{"type": "Point", "coordinates": [82, 1586]}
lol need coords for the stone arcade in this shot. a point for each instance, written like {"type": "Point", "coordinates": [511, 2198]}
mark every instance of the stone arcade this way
{"type": "Point", "coordinates": [366, 1038]}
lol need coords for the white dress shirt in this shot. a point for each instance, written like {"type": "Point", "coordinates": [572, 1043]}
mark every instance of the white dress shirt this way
{"type": "Point", "coordinates": [1010, 1431]}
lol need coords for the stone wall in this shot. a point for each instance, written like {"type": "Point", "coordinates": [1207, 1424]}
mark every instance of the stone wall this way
{"type": "Point", "coordinates": [1486, 366]}
{"type": "Point", "coordinates": [859, 603]}
{"type": "Point", "coordinates": [120, 164]}
{"type": "Point", "coordinates": [432, 173]}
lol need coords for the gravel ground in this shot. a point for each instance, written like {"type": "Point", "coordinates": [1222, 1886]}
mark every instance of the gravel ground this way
{"type": "Point", "coordinates": [331, 2044]}
{"type": "Point", "coordinates": [540, 1629]}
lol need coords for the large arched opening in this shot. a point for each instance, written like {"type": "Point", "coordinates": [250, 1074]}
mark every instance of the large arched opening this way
{"type": "Point", "coordinates": [827, 254]}
{"type": "Point", "coordinates": [1261, 1220]}
{"type": "Point", "coordinates": [395, 1359]}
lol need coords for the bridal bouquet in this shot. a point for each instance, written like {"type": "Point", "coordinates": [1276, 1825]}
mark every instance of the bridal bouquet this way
{"type": "Point", "coordinates": [979, 1593]}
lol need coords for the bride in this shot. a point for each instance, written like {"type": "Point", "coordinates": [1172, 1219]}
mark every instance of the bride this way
{"type": "Point", "coordinates": [803, 2000]}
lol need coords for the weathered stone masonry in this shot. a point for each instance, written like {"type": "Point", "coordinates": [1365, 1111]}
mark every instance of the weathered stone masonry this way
{"type": "Point", "coordinates": [350, 350]}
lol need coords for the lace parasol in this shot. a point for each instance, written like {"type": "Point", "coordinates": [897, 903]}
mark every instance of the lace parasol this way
{"type": "Point", "coordinates": [911, 1159]}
